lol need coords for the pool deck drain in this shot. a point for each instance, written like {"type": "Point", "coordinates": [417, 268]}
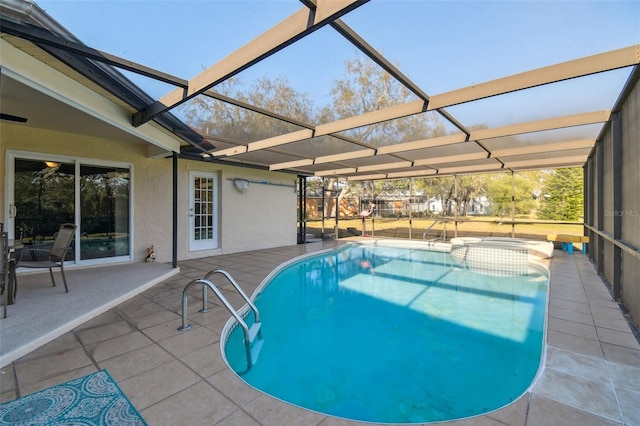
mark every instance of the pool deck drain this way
{"type": "Point", "coordinates": [591, 372]}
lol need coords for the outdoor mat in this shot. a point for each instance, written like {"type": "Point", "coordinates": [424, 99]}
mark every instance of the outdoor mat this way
{"type": "Point", "coordinates": [91, 400]}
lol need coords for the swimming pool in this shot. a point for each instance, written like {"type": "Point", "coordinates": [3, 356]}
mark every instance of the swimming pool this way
{"type": "Point", "coordinates": [394, 334]}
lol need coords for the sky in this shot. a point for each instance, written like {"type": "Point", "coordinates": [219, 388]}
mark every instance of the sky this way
{"type": "Point", "coordinates": [440, 45]}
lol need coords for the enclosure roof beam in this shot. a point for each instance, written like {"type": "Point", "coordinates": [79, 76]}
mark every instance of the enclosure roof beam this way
{"type": "Point", "coordinates": [567, 70]}
{"type": "Point", "coordinates": [548, 162]}
{"type": "Point", "coordinates": [594, 64]}
{"type": "Point", "coordinates": [543, 147]}
{"type": "Point", "coordinates": [288, 31]}
{"type": "Point", "coordinates": [540, 125]}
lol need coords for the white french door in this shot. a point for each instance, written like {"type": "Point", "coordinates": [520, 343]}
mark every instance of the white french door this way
{"type": "Point", "coordinates": [203, 211]}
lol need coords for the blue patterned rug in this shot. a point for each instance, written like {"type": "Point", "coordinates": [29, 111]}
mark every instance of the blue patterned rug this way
{"type": "Point", "coordinates": [93, 400]}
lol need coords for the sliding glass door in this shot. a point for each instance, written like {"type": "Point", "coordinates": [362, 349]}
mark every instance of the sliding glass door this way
{"type": "Point", "coordinates": [44, 198]}
{"type": "Point", "coordinates": [104, 212]}
{"type": "Point", "coordinates": [47, 193]}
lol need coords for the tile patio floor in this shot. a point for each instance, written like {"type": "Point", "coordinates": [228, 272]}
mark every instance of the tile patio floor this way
{"type": "Point", "coordinates": [591, 374]}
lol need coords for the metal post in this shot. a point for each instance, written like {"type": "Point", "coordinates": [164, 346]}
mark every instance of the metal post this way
{"type": "Point", "coordinates": [174, 248]}
{"type": "Point", "coordinates": [337, 214]}
{"type": "Point", "coordinates": [303, 211]}
{"type": "Point", "coordinates": [410, 205]}
{"type": "Point", "coordinates": [324, 201]}
{"type": "Point", "coordinates": [455, 197]}
{"type": "Point", "coordinates": [616, 167]}
{"type": "Point", "coordinates": [600, 201]}
{"type": "Point", "coordinates": [373, 219]}
{"type": "Point", "coordinates": [513, 205]}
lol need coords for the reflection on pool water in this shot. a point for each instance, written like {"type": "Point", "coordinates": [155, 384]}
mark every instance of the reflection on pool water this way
{"type": "Point", "coordinates": [394, 334]}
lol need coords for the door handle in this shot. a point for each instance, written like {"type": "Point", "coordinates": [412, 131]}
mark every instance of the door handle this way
{"type": "Point", "coordinates": [13, 210]}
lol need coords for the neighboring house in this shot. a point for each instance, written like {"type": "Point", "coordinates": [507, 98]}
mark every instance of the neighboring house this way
{"type": "Point", "coordinates": [348, 207]}
{"type": "Point", "coordinates": [70, 153]}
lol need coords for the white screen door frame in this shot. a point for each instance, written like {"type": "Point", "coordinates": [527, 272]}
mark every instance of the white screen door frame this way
{"type": "Point", "coordinates": [203, 211]}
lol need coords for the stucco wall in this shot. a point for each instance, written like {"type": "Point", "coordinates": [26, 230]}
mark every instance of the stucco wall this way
{"type": "Point", "coordinates": [262, 217]}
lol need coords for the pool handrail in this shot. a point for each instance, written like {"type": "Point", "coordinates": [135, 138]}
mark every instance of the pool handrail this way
{"type": "Point", "coordinates": [238, 289]}
{"type": "Point", "coordinates": [250, 334]}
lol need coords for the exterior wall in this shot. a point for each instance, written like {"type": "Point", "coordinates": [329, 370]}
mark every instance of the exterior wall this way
{"type": "Point", "coordinates": [262, 217]}
{"type": "Point", "coordinates": [620, 269]}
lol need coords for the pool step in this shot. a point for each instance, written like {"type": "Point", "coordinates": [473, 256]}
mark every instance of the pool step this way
{"type": "Point", "coordinates": [256, 347]}
{"type": "Point", "coordinates": [254, 331]}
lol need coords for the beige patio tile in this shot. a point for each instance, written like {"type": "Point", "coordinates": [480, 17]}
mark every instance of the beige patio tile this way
{"type": "Point", "coordinates": [117, 345]}
{"type": "Point", "coordinates": [337, 421]}
{"type": "Point", "coordinates": [206, 405]}
{"type": "Point", "coordinates": [589, 395]}
{"type": "Point", "coordinates": [606, 311]}
{"type": "Point", "coordinates": [227, 382]}
{"type": "Point", "coordinates": [546, 412]}
{"type": "Point", "coordinates": [9, 395]}
{"type": "Point", "coordinates": [621, 354]}
{"type": "Point", "coordinates": [103, 332]}
{"type": "Point", "coordinates": [612, 323]}
{"type": "Point", "coordinates": [216, 314]}
{"type": "Point", "coordinates": [61, 344]}
{"type": "Point", "coordinates": [139, 306]}
{"type": "Point", "coordinates": [44, 368]}
{"type": "Point", "coordinates": [620, 338]}
{"type": "Point", "coordinates": [574, 343]}
{"type": "Point", "coordinates": [238, 418]}
{"type": "Point", "coordinates": [190, 341]}
{"type": "Point", "coordinates": [569, 305]}
{"type": "Point", "coordinates": [273, 412]}
{"type": "Point", "coordinates": [629, 406]}
{"type": "Point", "coordinates": [568, 315]}
{"type": "Point", "coordinates": [8, 382]}
{"type": "Point", "coordinates": [574, 328]}
{"type": "Point", "coordinates": [625, 377]}
{"type": "Point", "coordinates": [135, 362]}
{"type": "Point", "coordinates": [159, 383]}
{"type": "Point", "coordinates": [576, 364]}
{"type": "Point", "coordinates": [206, 361]}
{"type": "Point", "coordinates": [514, 414]}
{"type": "Point", "coordinates": [474, 421]}
{"type": "Point", "coordinates": [102, 319]}
{"type": "Point", "coordinates": [29, 388]}
{"type": "Point", "coordinates": [165, 330]}
{"type": "Point", "coordinates": [571, 295]}
{"type": "Point", "coordinates": [156, 318]}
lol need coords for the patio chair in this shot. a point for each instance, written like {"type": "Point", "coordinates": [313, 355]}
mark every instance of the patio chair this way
{"type": "Point", "coordinates": [55, 256]}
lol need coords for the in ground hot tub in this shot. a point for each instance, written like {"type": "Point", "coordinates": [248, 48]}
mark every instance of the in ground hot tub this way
{"type": "Point", "coordinates": [498, 255]}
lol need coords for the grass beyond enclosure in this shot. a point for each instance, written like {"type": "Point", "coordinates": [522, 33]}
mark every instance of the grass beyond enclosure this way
{"type": "Point", "coordinates": [466, 227]}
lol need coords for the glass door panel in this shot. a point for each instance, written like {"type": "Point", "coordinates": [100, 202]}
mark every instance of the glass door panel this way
{"type": "Point", "coordinates": [104, 207]}
{"type": "Point", "coordinates": [202, 211]}
{"type": "Point", "coordinates": [44, 198]}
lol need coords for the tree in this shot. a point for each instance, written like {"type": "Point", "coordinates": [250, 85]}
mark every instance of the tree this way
{"type": "Point", "coordinates": [364, 88]}
{"type": "Point", "coordinates": [562, 197]}
{"type": "Point", "coordinates": [227, 121]}
{"type": "Point", "coordinates": [499, 191]}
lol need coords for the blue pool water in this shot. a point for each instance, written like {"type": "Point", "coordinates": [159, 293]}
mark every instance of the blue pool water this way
{"type": "Point", "coordinates": [395, 335]}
